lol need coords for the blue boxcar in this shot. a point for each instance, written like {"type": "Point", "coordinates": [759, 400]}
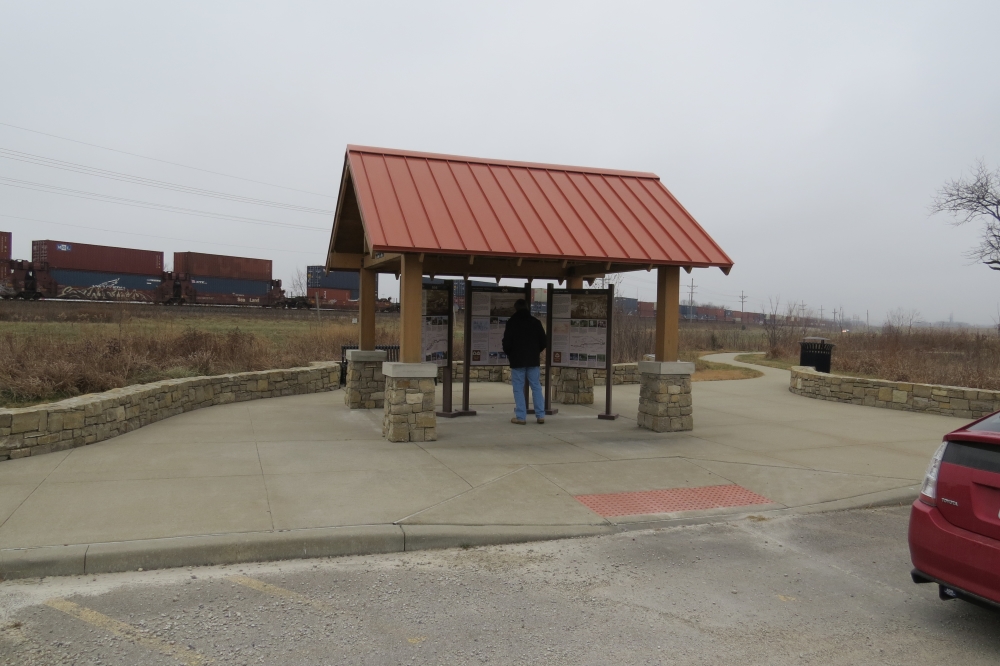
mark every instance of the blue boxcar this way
{"type": "Point", "coordinates": [92, 285]}
{"type": "Point", "coordinates": [317, 278]}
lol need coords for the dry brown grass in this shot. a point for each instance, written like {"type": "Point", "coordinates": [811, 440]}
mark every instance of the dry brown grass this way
{"type": "Point", "coordinates": [961, 357]}
{"type": "Point", "coordinates": [53, 350]}
{"type": "Point", "coordinates": [55, 355]}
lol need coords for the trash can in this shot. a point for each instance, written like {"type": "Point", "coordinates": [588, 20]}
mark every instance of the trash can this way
{"type": "Point", "coordinates": [816, 353]}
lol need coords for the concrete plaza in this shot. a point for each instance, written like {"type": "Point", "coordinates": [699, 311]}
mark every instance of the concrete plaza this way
{"type": "Point", "coordinates": [289, 465]}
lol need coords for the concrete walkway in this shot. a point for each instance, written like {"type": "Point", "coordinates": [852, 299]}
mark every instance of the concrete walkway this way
{"type": "Point", "coordinates": [291, 476]}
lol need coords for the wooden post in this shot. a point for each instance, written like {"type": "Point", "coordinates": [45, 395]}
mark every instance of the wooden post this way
{"type": "Point", "coordinates": [574, 283]}
{"type": "Point", "coordinates": [366, 309]}
{"type": "Point", "coordinates": [668, 312]}
{"type": "Point", "coordinates": [410, 308]}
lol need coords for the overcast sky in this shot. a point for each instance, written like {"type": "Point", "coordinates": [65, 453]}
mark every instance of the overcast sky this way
{"type": "Point", "coordinates": [808, 140]}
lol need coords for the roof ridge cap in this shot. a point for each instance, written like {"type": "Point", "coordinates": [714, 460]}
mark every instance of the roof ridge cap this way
{"type": "Point", "coordinates": [498, 162]}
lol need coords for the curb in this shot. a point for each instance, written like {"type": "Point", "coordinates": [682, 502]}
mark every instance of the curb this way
{"type": "Point", "coordinates": [148, 554]}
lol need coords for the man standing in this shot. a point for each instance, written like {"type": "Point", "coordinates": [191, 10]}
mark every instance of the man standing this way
{"type": "Point", "coordinates": [523, 342]}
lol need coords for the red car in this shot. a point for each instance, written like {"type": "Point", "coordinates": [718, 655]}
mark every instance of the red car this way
{"type": "Point", "coordinates": [955, 522]}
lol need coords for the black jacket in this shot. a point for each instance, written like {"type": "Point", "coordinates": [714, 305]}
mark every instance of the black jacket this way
{"type": "Point", "coordinates": [523, 340]}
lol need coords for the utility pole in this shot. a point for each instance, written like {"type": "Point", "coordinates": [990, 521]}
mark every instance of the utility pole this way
{"type": "Point", "coordinates": [821, 313]}
{"type": "Point", "coordinates": [743, 300]}
{"type": "Point", "coordinates": [691, 294]}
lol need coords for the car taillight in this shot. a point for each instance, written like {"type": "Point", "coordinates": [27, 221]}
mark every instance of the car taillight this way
{"type": "Point", "coordinates": [928, 491]}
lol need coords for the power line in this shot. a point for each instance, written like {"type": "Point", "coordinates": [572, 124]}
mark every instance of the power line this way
{"type": "Point", "coordinates": [154, 159]}
{"type": "Point", "coordinates": [40, 160]}
{"type": "Point", "coordinates": [132, 233]}
{"type": "Point", "coordinates": [107, 198]}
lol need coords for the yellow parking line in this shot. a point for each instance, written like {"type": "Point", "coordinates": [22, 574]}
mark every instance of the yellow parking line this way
{"type": "Point", "coordinates": [274, 590]}
{"type": "Point", "coordinates": [324, 608]}
{"type": "Point", "coordinates": [127, 631]}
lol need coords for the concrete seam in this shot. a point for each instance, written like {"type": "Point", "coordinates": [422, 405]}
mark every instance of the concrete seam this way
{"type": "Point", "coordinates": [539, 472]}
{"type": "Point", "coordinates": [260, 465]}
{"type": "Point", "coordinates": [471, 488]}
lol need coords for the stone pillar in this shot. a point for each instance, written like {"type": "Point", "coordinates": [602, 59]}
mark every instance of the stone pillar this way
{"type": "Point", "coordinates": [573, 386]}
{"type": "Point", "coordinates": [365, 387]}
{"type": "Point", "coordinates": [409, 402]}
{"type": "Point", "coordinates": [665, 396]}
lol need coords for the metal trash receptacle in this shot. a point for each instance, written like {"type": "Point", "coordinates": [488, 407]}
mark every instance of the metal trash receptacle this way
{"type": "Point", "coordinates": [816, 353]}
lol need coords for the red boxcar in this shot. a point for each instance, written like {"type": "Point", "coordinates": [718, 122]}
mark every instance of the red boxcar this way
{"type": "Point", "coordinates": [331, 297]}
{"type": "Point", "coordinates": [84, 257]}
{"type": "Point", "coordinates": [221, 266]}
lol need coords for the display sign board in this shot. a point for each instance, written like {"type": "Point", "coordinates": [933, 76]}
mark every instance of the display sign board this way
{"type": "Point", "coordinates": [580, 330]}
{"type": "Point", "coordinates": [436, 324]}
{"type": "Point", "coordinates": [489, 312]}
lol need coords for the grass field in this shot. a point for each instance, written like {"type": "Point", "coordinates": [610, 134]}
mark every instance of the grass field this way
{"type": "Point", "coordinates": [53, 350]}
{"type": "Point", "coordinates": [708, 371]}
{"type": "Point", "coordinates": [761, 358]}
{"type": "Point", "coordinates": [50, 351]}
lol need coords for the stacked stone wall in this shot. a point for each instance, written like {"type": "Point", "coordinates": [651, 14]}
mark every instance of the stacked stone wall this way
{"type": "Point", "coordinates": [364, 387]}
{"type": "Point", "coordinates": [665, 403]}
{"type": "Point", "coordinates": [573, 386]}
{"type": "Point", "coordinates": [66, 424]}
{"type": "Point", "coordinates": [409, 410]}
{"type": "Point", "coordinates": [967, 403]}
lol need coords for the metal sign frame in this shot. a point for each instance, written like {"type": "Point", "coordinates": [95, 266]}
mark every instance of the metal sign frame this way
{"type": "Point", "coordinates": [467, 363]}
{"type": "Point", "coordinates": [449, 286]}
{"type": "Point", "coordinates": [608, 365]}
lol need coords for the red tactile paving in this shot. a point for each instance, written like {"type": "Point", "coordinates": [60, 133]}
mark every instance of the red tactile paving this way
{"type": "Point", "coordinates": [671, 500]}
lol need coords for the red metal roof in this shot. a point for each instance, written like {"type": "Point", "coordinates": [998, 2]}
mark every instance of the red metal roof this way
{"type": "Point", "coordinates": [445, 204]}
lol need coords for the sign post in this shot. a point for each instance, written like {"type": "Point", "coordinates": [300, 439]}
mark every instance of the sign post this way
{"type": "Point", "coordinates": [437, 334]}
{"type": "Point", "coordinates": [548, 352]}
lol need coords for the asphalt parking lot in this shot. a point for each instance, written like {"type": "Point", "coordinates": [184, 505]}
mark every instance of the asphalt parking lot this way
{"type": "Point", "coordinates": [829, 588]}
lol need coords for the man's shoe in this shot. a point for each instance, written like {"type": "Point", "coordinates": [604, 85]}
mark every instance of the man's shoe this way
{"type": "Point", "coordinates": [540, 420]}
{"type": "Point", "coordinates": [517, 421]}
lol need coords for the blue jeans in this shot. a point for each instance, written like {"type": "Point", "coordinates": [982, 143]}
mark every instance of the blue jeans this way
{"type": "Point", "coordinates": [517, 377]}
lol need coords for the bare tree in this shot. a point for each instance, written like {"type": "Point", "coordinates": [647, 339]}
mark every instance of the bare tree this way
{"type": "Point", "coordinates": [974, 199]}
{"type": "Point", "coordinates": [773, 327]}
{"type": "Point", "coordinates": [900, 319]}
{"type": "Point", "coordinates": [297, 285]}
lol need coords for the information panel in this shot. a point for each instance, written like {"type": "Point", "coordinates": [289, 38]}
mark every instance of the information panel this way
{"type": "Point", "coordinates": [490, 311]}
{"type": "Point", "coordinates": [580, 330]}
{"type": "Point", "coordinates": [436, 314]}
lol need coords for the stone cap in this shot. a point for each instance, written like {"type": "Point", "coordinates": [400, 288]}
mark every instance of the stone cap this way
{"type": "Point", "coordinates": [409, 370]}
{"type": "Point", "coordinates": [666, 368]}
{"type": "Point", "coordinates": [359, 355]}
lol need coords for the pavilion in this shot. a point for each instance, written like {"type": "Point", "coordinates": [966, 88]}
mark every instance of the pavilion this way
{"type": "Point", "coordinates": [414, 214]}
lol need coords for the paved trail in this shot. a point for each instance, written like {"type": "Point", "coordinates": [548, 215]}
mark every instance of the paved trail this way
{"type": "Point", "coordinates": [823, 588]}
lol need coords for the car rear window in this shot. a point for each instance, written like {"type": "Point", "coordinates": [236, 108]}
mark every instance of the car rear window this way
{"type": "Point", "coordinates": [989, 424]}
{"type": "Point", "coordinates": [971, 454]}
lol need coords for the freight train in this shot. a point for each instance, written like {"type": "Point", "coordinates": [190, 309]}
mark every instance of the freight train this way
{"type": "Point", "coordinates": [81, 271]}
